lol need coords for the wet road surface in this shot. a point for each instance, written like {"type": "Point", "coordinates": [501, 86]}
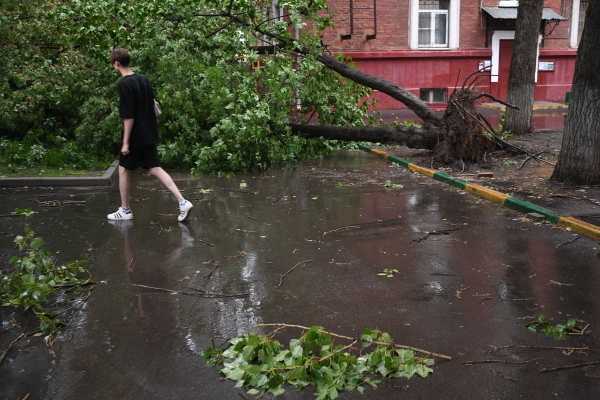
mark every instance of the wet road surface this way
{"type": "Point", "coordinates": [470, 272]}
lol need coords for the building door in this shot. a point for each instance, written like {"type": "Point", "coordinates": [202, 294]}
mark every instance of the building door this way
{"type": "Point", "coordinates": [500, 88]}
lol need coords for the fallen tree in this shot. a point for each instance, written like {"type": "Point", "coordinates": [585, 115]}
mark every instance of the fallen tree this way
{"type": "Point", "coordinates": [457, 135]}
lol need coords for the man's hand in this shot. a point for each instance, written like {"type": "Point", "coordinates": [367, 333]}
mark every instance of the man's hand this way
{"type": "Point", "coordinates": [127, 127]}
{"type": "Point", "coordinates": [125, 149]}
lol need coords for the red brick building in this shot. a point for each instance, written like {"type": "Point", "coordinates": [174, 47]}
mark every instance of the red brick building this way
{"type": "Point", "coordinates": [428, 46]}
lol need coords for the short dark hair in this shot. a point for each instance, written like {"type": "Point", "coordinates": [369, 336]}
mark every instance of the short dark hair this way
{"type": "Point", "coordinates": [120, 55]}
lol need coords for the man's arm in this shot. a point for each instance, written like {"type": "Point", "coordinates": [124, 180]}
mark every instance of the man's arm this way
{"type": "Point", "coordinates": [127, 127]}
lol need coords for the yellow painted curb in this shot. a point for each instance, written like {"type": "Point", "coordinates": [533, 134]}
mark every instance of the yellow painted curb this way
{"type": "Point", "coordinates": [578, 226]}
{"type": "Point", "coordinates": [380, 153]}
{"type": "Point", "coordinates": [425, 171]}
{"type": "Point", "coordinates": [554, 107]}
{"type": "Point", "coordinates": [486, 193]}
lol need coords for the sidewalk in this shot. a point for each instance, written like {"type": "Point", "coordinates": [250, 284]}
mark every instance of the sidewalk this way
{"type": "Point", "coordinates": [109, 177]}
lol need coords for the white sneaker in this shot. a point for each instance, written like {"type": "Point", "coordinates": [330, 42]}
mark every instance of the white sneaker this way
{"type": "Point", "coordinates": [120, 214]}
{"type": "Point", "coordinates": [184, 210]}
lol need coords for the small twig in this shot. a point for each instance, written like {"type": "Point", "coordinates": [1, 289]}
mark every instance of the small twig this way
{"type": "Point", "coordinates": [443, 274]}
{"type": "Point", "coordinates": [17, 340]}
{"type": "Point", "coordinates": [581, 349]}
{"type": "Point", "coordinates": [191, 294]}
{"type": "Point", "coordinates": [529, 158]}
{"type": "Point", "coordinates": [399, 346]}
{"type": "Point", "coordinates": [242, 254]}
{"type": "Point", "coordinates": [281, 279]}
{"type": "Point", "coordinates": [156, 225]}
{"type": "Point", "coordinates": [499, 361]}
{"type": "Point", "coordinates": [210, 294]}
{"type": "Point", "coordinates": [459, 291]}
{"type": "Point", "coordinates": [325, 308]}
{"type": "Point", "coordinates": [338, 229]}
{"type": "Point", "coordinates": [239, 191]}
{"type": "Point", "coordinates": [504, 376]}
{"type": "Point", "coordinates": [485, 298]}
{"type": "Point", "coordinates": [570, 366]}
{"type": "Point", "coordinates": [81, 301]}
{"type": "Point", "coordinates": [568, 242]}
{"type": "Point", "coordinates": [516, 299]}
{"type": "Point", "coordinates": [211, 272]}
{"type": "Point", "coordinates": [202, 241]}
{"type": "Point", "coordinates": [577, 198]}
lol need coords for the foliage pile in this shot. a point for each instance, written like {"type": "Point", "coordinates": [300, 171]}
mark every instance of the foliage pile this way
{"type": "Point", "coordinates": [33, 276]}
{"type": "Point", "coordinates": [225, 107]}
{"type": "Point", "coordinates": [259, 362]}
{"type": "Point", "coordinates": [559, 331]}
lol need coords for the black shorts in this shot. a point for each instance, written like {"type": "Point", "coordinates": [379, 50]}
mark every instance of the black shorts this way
{"type": "Point", "coordinates": [146, 155]}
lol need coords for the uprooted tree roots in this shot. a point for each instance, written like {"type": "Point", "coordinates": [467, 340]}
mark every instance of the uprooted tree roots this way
{"type": "Point", "coordinates": [464, 137]}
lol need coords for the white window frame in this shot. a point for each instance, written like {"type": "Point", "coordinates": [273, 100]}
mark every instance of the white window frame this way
{"type": "Point", "coordinates": [452, 26]}
{"type": "Point", "coordinates": [574, 34]}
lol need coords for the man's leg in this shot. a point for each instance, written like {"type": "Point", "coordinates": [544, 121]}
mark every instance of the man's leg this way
{"type": "Point", "coordinates": [185, 207]}
{"type": "Point", "coordinates": [123, 213]}
{"type": "Point", "coordinates": [164, 177]}
{"type": "Point", "coordinates": [124, 186]}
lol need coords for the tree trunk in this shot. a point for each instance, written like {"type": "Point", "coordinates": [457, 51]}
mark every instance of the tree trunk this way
{"type": "Point", "coordinates": [459, 137]}
{"type": "Point", "coordinates": [521, 78]}
{"type": "Point", "coordinates": [579, 158]}
{"type": "Point", "coordinates": [415, 138]}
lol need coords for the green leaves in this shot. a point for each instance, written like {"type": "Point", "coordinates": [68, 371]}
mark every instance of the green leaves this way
{"type": "Point", "coordinates": [260, 363]}
{"type": "Point", "coordinates": [226, 108]}
{"type": "Point", "coordinates": [560, 331]}
{"type": "Point", "coordinates": [389, 272]}
{"type": "Point", "coordinates": [34, 276]}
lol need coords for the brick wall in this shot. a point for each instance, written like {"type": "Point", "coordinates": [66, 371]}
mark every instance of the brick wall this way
{"type": "Point", "coordinates": [393, 20]}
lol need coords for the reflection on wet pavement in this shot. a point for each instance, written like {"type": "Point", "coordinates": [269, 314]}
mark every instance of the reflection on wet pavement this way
{"type": "Point", "coordinates": [459, 293]}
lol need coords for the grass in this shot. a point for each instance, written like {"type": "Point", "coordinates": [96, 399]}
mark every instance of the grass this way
{"type": "Point", "coordinates": [96, 170]}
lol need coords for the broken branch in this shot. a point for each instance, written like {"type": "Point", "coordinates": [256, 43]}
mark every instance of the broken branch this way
{"type": "Point", "coordinates": [399, 346]}
{"type": "Point", "coordinates": [291, 269]}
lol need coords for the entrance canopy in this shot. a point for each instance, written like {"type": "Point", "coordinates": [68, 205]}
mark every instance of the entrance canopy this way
{"type": "Point", "coordinates": [511, 13]}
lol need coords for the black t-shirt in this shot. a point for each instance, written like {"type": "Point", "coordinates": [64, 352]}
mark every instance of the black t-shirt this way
{"type": "Point", "coordinates": [137, 102]}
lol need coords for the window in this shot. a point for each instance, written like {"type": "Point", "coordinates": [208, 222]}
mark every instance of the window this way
{"type": "Point", "coordinates": [433, 23]}
{"type": "Point", "coordinates": [434, 95]}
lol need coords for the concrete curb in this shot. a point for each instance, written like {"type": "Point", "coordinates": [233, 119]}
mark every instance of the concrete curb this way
{"type": "Point", "coordinates": [109, 177]}
{"type": "Point", "coordinates": [512, 203]}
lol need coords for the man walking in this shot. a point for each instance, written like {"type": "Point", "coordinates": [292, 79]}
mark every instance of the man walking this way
{"type": "Point", "coordinates": [140, 135]}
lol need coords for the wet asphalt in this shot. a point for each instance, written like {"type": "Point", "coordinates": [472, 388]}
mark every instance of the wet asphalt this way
{"type": "Point", "coordinates": [303, 244]}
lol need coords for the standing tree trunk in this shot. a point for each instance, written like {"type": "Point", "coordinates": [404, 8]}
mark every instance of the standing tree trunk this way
{"type": "Point", "coordinates": [579, 158]}
{"type": "Point", "coordinates": [521, 78]}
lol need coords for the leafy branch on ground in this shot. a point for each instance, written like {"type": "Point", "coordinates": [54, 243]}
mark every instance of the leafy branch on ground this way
{"type": "Point", "coordinates": [261, 363]}
{"type": "Point", "coordinates": [560, 331]}
{"type": "Point", "coordinates": [389, 272]}
{"type": "Point", "coordinates": [33, 276]}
